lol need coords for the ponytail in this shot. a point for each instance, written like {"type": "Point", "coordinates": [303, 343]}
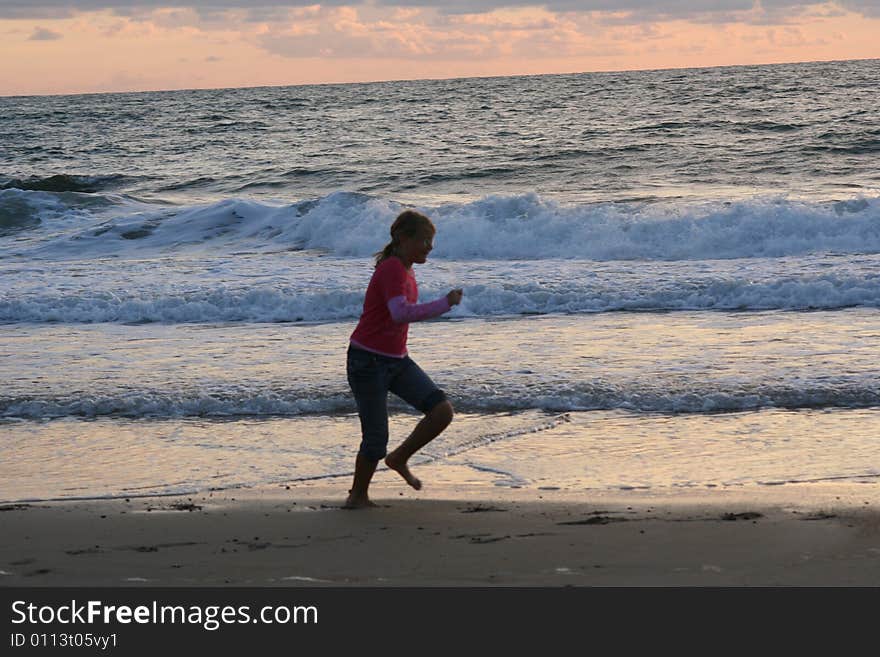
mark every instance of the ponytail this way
{"type": "Point", "coordinates": [409, 223]}
{"type": "Point", "coordinates": [386, 253]}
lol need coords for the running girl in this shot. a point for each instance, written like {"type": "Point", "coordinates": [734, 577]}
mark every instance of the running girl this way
{"type": "Point", "coordinates": [378, 360]}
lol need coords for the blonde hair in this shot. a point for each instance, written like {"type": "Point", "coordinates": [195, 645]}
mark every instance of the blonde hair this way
{"type": "Point", "coordinates": [409, 223]}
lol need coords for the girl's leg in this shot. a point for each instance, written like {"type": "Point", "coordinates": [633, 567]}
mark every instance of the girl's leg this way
{"type": "Point", "coordinates": [416, 388]}
{"type": "Point", "coordinates": [428, 428]}
{"type": "Point", "coordinates": [366, 376]}
{"type": "Point", "coordinates": [363, 473]}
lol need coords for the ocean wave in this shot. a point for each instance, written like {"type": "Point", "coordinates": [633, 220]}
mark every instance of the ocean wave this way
{"type": "Point", "coordinates": [161, 404]}
{"type": "Point", "coordinates": [64, 183]}
{"type": "Point", "coordinates": [61, 205]}
{"type": "Point", "coordinates": [529, 226]}
{"type": "Point", "coordinates": [46, 216]}
{"type": "Point", "coordinates": [645, 397]}
{"type": "Point", "coordinates": [289, 303]}
{"type": "Point", "coordinates": [524, 227]}
{"type": "Point", "coordinates": [16, 216]}
{"type": "Point", "coordinates": [265, 304]}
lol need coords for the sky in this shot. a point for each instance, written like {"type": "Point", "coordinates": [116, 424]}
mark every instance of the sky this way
{"type": "Point", "coordinates": [84, 46]}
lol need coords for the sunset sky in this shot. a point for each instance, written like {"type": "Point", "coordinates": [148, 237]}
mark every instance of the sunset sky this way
{"type": "Point", "coordinates": [72, 46]}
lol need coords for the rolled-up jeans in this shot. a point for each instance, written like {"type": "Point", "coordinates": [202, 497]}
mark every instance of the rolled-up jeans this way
{"type": "Point", "coordinates": [371, 377]}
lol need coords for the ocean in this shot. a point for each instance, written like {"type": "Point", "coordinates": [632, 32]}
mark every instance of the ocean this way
{"type": "Point", "coordinates": [671, 279]}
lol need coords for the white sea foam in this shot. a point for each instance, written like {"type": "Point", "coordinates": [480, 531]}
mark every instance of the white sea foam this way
{"type": "Point", "coordinates": [524, 227]}
{"type": "Point", "coordinates": [343, 301]}
{"type": "Point", "coordinates": [516, 395]}
{"type": "Point", "coordinates": [207, 305]}
{"type": "Point", "coordinates": [161, 404]}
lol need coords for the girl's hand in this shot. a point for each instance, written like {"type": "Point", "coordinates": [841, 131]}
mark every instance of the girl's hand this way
{"type": "Point", "coordinates": [454, 296]}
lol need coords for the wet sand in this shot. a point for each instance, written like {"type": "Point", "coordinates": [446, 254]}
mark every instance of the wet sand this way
{"type": "Point", "coordinates": [298, 535]}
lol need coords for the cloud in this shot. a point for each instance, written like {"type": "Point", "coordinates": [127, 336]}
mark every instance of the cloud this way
{"type": "Point", "coordinates": [67, 8]}
{"type": "Point", "coordinates": [683, 9]}
{"type": "Point", "coordinates": [869, 8]}
{"type": "Point", "coordinates": [346, 33]}
{"type": "Point", "coordinates": [43, 34]}
{"type": "Point", "coordinates": [439, 29]}
{"type": "Point", "coordinates": [342, 33]}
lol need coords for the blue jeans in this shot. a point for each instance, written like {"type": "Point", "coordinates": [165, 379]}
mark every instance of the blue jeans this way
{"type": "Point", "coordinates": [371, 376]}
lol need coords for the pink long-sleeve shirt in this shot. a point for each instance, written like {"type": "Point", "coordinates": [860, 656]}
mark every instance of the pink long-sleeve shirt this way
{"type": "Point", "coordinates": [391, 303]}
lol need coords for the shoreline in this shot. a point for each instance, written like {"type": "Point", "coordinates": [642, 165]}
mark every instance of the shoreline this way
{"type": "Point", "coordinates": [464, 535]}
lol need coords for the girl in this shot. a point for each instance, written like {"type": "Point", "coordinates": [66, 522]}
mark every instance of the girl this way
{"type": "Point", "coordinates": [378, 360]}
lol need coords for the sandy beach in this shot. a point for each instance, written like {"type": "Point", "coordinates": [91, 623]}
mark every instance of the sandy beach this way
{"type": "Point", "coordinates": [298, 535]}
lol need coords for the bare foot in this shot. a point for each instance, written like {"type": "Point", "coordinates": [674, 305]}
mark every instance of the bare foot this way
{"type": "Point", "coordinates": [400, 467]}
{"type": "Point", "coordinates": [353, 502]}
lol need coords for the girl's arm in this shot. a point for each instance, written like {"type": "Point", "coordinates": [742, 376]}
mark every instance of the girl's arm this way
{"type": "Point", "coordinates": [403, 312]}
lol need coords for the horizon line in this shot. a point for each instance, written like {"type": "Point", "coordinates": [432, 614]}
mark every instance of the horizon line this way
{"type": "Point", "coordinates": [440, 79]}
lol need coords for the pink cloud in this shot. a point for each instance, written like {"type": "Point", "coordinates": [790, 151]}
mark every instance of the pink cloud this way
{"type": "Point", "coordinates": [44, 34]}
{"type": "Point", "coordinates": [284, 44]}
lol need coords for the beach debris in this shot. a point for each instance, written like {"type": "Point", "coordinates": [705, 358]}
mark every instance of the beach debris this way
{"type": "Point", "coordinates": [477, 540]}
{"type": "Point", "coordinates": [470, 535]}
{"type": "Point", "coordinates": [158, 546]}
{"type": "Point", "coordinates": [820, 516]}
{"type": "Point", "coordinates": [593, 520]}
{"type": "Point", "coordinates": [748, 515]}
{"type": "Point", "coordinates": [482, 508]}
{"type": "Point", "coordinates": [176, 506]}
{"type": "Point", "coordinates": [14, 507]}
{"type": "Point", "coordinates": [186, 506]}
{"type": "Point", "coordinates": [91, 550]}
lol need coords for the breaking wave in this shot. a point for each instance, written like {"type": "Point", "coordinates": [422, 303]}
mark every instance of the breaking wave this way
{"type": "Point", "coordinates": [559, 397]}
{"type": "Point", "coordinates": [522, 227]}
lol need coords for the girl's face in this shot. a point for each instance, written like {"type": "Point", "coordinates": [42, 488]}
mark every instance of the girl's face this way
{"type": "Point", "coordinates": [416, 249]}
